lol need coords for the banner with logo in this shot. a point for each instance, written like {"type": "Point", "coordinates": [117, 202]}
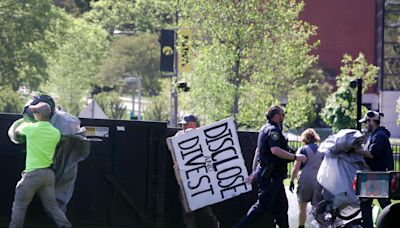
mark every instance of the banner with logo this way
{"type": "Point", "coordinates": [167, 55]}
{"type": "Point", "coordinates": [185, 54]}
{"type": "Point", "coordinates": [208, 164]}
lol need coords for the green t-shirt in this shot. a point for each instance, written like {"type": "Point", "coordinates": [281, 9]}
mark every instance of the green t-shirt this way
{"type": "Point", "coordinates": [41, 141]}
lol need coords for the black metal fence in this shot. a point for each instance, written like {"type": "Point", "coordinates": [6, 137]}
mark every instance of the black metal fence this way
{"type": "Point", "coordinates": [395, 147]}
{"type": "Point", "coordinates": [127, 180]}
{"type": "Point", "coordinates": [396, 156]}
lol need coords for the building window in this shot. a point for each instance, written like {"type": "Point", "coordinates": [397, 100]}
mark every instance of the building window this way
{"type": "Point", "coordinates": [390, 65]}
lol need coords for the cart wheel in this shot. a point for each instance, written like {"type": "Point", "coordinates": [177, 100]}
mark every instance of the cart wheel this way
{"type": "Point", "coordinates": [389, 216]}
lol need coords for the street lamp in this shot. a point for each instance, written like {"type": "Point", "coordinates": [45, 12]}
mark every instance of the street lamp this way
{"type": "Point", "coordinates": [132, 81]}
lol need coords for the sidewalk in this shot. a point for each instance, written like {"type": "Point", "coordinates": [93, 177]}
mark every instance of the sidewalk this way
{"type": "Point", "coordinates": [294, 211]}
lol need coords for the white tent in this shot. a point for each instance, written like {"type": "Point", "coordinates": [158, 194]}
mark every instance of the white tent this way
{"type": "Point", "coordinates": [93, 110]}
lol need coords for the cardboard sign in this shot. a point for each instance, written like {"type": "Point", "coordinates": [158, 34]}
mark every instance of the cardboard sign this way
{"type": "Point", "coordinates": [208, 164]}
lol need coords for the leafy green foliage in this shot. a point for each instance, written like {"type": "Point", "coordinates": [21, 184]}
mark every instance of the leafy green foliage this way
{"type": "Point", "coordinates": [23, 24]}
{"type": "Point", "coordinates": [316, 80]}
{"type": "Point", "coordinates": [158, 107]}
{"type": "Point", "coordinates": [132, 56]}
{"type": "Point", "coordinates": [74, 7]}
{"type": "Point", "coordinates": [80, 49]}
{"type": "Point", "coordinates": [44, 48]}
{"type": "Point", "coordinates": [341, 107]}
{"type": "Point", "coordinates": [300, 110]}
{"type": "Point", "coordinates": [139, 15]}
{"type": "Point", "coordinates": [10, 101]}
{"type": "Point", "coordinates": [210, 91]}
{"type": "Point", "coordinates": [112, 105]}
{"type": "Point", "coordinates": [249, 54]}
{"type": "Point", "coordinates": [303, 102]}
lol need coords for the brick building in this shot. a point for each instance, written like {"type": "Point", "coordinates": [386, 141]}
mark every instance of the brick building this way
{"type": "Point", "coordinates": [368, 26]}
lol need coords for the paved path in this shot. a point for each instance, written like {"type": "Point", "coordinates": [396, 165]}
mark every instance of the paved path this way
{"type": "Point", "coordinates": [294, 211]}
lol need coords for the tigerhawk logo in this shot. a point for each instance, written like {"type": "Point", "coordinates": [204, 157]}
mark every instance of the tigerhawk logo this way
{"type": "Point", "coordinates": [167, 50]}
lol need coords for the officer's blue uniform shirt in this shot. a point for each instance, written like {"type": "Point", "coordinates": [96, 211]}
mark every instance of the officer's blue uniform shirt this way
{"type": "Point", "coordinates": [270, 135]}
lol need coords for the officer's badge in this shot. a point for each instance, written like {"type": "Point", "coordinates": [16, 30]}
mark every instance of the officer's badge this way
{"type": "Point", "coordinates": [275, 136]}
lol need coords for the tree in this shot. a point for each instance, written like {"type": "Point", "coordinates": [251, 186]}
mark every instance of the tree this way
{"type": "Point", "coordinates": [158, 107]}
{"type": "Point", "coordinates": [112, 105]}
{"type": "Point", "coordinates": [23, 25]}
{"type": "Point", "coordinates": [341, 108]}
{"type": "Point", "coordinates": [140, 15]}
{"type": "Point", "coordinates": [137, 55]}
{"type": "Point", "coordinates": [81, 46]}
{"type": "Point", "coordinates": [249, 55]}
{"type": "Point", "coordinates": [10, 101]}
{"type": "Point", "coordinates": [300, 109]}
{"type": "Point", "coordinates": [74, 7]}
{"type": "Point", "coordinates": [306, 101]}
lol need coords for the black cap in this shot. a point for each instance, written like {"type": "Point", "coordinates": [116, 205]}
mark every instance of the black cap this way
{"type": "Point", "coordinates": [188, 118]}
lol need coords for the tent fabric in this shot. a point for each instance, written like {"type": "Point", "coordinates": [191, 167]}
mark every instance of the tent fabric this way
{"type": "Point", "coordinates": [72, 149]}
{"type": "Point", "coordinates": [334, 190]}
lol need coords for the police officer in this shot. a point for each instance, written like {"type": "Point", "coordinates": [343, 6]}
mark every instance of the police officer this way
{"type": "Point", "coordinates": [378, 156]}
{"type": "Point", "coordinates": [269, 170]}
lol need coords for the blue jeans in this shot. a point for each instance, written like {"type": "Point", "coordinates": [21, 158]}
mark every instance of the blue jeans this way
{"type": "Point", "coordinates": [39, 181]}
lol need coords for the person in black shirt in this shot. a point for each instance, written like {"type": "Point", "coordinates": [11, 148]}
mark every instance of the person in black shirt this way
{"type": "Point", "coordinates": [378, 156]}
{"type": "Point", "coordinates": [269, 170]}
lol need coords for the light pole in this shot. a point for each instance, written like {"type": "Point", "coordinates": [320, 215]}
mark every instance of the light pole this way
{"type": "Point", "coordinates": [353, 84]}
{"type": "Point", "coordinates": [132, 81]}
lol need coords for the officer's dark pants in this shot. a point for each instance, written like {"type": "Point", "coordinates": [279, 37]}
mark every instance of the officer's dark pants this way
{"type": "Point", "coordinates": [271, 204]}
{"type": "Point", "coordinates": [366, 210]}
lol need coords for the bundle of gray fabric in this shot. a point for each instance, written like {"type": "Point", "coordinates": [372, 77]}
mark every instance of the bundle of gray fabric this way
{"type": "Point", "coordinates": [334, 190]}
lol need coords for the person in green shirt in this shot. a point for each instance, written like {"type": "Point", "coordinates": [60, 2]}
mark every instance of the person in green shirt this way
{"type": "Point", "coordinates": [38, 177]}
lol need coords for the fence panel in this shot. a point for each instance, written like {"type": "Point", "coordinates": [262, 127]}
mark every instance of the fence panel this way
{"type": "Point", "coordinates": [396, 155]}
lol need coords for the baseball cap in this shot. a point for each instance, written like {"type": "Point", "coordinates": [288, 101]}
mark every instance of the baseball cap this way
{"type": "Point", "coordinates": [188, 118]}
{"type": "Point", "coordinates": [371, 115]}
{"type": "Point", "coordinates": [42, 108]}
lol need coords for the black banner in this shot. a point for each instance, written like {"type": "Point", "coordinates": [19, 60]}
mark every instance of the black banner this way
{"type": "Point", "coordinates": [167, 42]}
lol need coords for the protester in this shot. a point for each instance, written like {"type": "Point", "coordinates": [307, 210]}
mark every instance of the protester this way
{"type": "Point", "coordinates": [203, 217]}
{"type": "Point", "coordinates": [309, 171]}
{"type": "Point", "coordinates": [269, 170]}
{"type": "Point", "coordinates": [188, 123]}
{"type": "Point", "coordinates": [378, 156]}
{"type": "Point", "coordinates": [38, 176]}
